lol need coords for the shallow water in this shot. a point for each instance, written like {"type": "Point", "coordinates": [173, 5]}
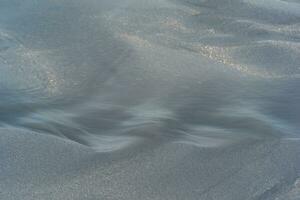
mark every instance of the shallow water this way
{"type": "Point", "coordinates": [161, 99]}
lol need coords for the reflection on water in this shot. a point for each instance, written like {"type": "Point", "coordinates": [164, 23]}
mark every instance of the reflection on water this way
{"type": "Point", "coordinates": [98, 70]}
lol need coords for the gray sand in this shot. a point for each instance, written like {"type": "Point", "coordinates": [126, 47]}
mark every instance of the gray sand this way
{"type": "Point", "coordinates": [140, 99]}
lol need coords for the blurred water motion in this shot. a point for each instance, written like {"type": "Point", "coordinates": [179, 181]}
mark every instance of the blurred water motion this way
{"type": "Point", "coordinates": [169, 84]}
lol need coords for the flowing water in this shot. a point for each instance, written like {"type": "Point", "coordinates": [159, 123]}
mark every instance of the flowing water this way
{"type": "Point", "coordinates": [150, 99]}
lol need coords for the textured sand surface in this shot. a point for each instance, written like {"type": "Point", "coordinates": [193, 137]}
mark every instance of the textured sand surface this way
{"type": "Point", "coordinates": [140, 99]}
